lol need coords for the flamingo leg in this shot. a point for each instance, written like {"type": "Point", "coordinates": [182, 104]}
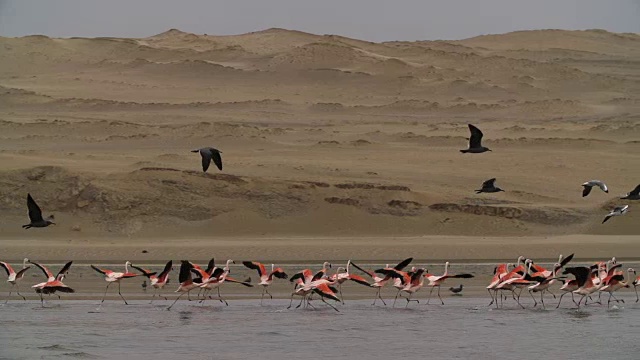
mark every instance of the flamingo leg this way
{"type": "Point", "coordinates": [542, 299]}
{"type": "Point", "coordinates": [429, 298]}
{"type": "Point", "coordinates": [8, 297]}
{"type": "Point", "coordinates": [291, 302]}
{"type": "Point", "coordinates": [18, 292]}
{"type": "Point", "coordinates": [394, 300]}
{"type": "Point", "coordinates": [635, 287]}
{"type": "Point", "coordinates": [535, 303]}
{"type": "Point", "coordinates": [333, 307]}
{"type": "Point", "coordinates": [155, 291]}
{"type": "Point", "coordinates": [561, 299]}
{"type": "Point", "coordinates": [491, 295]}
{"type": "Point", "coordinates": [442, 301]}
{"type": "Point", "coordinates": [409, 299]}
{"type": "Point", "coordinates": [615, 298]}
{"type": "Point", "coordinates": [552, 294]}
{"type": "Point", "coordinates": [105, 293]}
{"type": "Point", "coordinates": [119, 293]}
{"type": "Point", "coordinates": [262, 297]}
{"type": "Point", "coordinates": [518, 299]}
{"type": "Point", "coordinates": [178, 298]}
{"type": "Point", "coordinates": [380, 296]}
{"type": "Point", "coordinates": [221, 299]}
{"type": "Point", "coordinates": [266, 289]}
{"type": "Point", "coordinates": [340, 290]}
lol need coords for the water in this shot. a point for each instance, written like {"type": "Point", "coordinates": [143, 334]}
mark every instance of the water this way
{"type": "Point", "coordinates": [464, 328]}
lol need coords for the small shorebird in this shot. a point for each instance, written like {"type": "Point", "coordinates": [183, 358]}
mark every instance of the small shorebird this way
{"type": "Point", "coordinates": [489, 186]}
{"type": "Point", "coordinates": [633, 195]}
{"type": "Point", "coordinates": [456, 290]}
{"type": "Point", "coordinates": [591, 183]}
{"type": "Point", "coordinates": [158, 282]}
{"type": "Point", "coordinates": [15, 277]}
{"type": "Point", "coordinates": [111, 276]}
{"type": "Point", "coordinates": [266, 278]}
{"type": "Point", "coordinates": [617, 211]}
{"type": "Point", "coordinates": [475, 142]}
{"type": "Point", "coordinates": [53, 283]}
{"type": "Point", "coordinates": [35, 215]}
{"type": "Point", "coordinates": [208, 154]}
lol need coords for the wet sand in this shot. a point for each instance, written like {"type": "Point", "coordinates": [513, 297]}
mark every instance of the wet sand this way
{"type": "Point", "coordinates": [307, 249]}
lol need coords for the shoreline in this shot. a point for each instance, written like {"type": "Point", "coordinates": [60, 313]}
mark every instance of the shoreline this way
{"type": "Point", "coordinates": [300, 249]}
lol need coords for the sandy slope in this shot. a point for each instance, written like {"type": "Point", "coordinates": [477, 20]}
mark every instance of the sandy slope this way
{"type": "Point", "coordinates": [321, 136]}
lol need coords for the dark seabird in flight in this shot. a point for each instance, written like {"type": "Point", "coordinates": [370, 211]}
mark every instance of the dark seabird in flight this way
{"type": "Point", "coordinates": [489, 186]}
{"type": "Point", "coordinates": [633, 195]}
{"type": "Point", "coordinates": [617, 211]}
{"type": "Point", "coordinates": [591, 183]}
{"type": "Point", "coordinates": [35, 215]}
{"type": "Point", "coordinates": [475, 142]}
{"type": "Point", "coordinates": [208, 154]}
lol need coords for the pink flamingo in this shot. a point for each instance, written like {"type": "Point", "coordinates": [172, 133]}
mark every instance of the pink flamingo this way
{"type": "Point", "coordinates": [186, 282]}
{"type": "Point", "coordinates": [53, 283]}
{"type": "Point", "coordinates": [343, 274]}
{"type": "Point", "coordinates": [15, 277]}
{"type": "Point", "coordinates": [266, 278]}
{"type": "Point", "coordinates": [437, 281]}
{"type": "Point", "coordinates": [111, 276]}
{"type": "Point", "coordinates": [158, 282]}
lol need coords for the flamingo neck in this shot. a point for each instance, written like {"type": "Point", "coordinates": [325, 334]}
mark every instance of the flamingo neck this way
{"type": "Point", "coordinates": [126, 267]}
{"type": "Point", "coordinates": [446, 269]}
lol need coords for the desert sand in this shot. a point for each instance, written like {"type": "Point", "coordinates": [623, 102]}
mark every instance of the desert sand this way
{"type": "Point", "coordinates": [332, 147]}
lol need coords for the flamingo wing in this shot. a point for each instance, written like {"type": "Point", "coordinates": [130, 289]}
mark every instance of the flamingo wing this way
{"type": "Point", "coordinates": [185, 271]}
{"type": "Point", "coordinates": [145, 272]}
{"type": "Point", "coordinates": [7, 267]}
{"type": "Point", "coordinates": [64, 270]}
{"type": "Point", "coordinates": [46, 271]}
{"type": "Point", "coordinates": [368, 272]}
{"type": "Point", "coordinates": [403, 264]}
{"type": "Point", "coordinates": [359, 279]}
{"type": "Point", "coordinates": [279, 273]}
{"type": "Point", "coordinates": [324, 291]}
{"type": "Point", "coordinates": [246, 282]}
{"type": "Point", "coordinates": [256, 266]}
{"type": "Point", "coordinates": [210, 266]}
{"type": "Point", "coordinates": [165, 273]}
{"type": "Point", "coordinates": [101, 271]}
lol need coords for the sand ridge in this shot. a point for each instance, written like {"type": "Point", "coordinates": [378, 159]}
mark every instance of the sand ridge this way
{"type": "Point", "coordinates": [321, 135]}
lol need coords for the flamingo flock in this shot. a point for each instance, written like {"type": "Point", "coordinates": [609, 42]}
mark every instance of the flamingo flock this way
{"type": "Point", "coordinates": [586, 284]}
{"type": "Point", "coordinates": [584, 281]}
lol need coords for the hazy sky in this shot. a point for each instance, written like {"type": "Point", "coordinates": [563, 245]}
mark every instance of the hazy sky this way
{"type": "Point", "coordinates": [375, 20]}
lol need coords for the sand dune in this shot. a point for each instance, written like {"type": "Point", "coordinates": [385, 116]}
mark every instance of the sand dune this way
{"type": "Point", "coordinates": [322, 135]}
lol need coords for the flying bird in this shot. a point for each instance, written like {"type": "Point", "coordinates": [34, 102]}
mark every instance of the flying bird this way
{"type": "Point", "coordinates": [475, 142]}
{"type": "Point", "coordinates": [35, 215]}
{"type": "Point", "coordinates": [591, 183]}
{"type": "Point", "coordinates": [617, 211]}
{"type": "Point", "coordinates": [208, 154]}
{"type": "Point", "coordinates": [489, 186]}
{"type": "Point", "coordinates": [633, 195]}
